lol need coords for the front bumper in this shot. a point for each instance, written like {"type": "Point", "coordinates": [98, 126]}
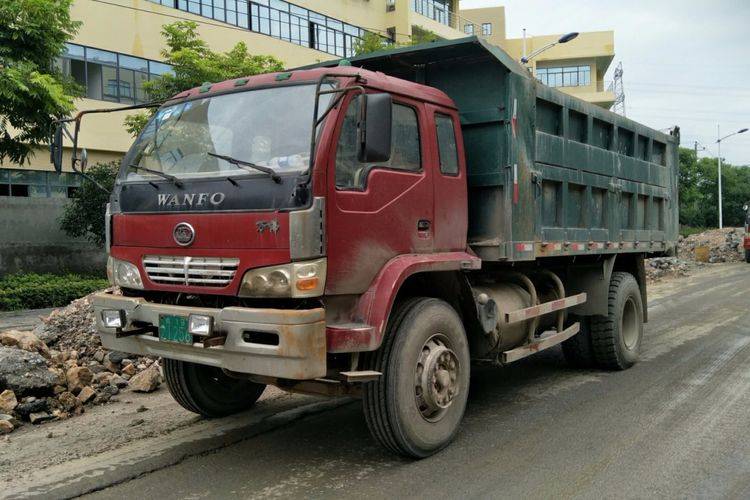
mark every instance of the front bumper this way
{"type": "Point", "coordinates": [299, 355]}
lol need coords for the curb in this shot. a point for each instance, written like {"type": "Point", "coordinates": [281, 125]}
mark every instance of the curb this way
{"type": "Point", "coordinates": [90, 474]}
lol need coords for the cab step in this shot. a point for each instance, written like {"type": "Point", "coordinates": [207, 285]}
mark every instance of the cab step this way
{"type": "Point", "coordinates": [544, 341]}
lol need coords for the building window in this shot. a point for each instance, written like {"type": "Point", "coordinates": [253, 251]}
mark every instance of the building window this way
{"type": "Point", "coordinates": [279, 19]}
{"type": "Point", "coordinates": [568, 76]}
{"type": "Point", "coordinates": [227, 11]}
{"type": "Point", "coordinates": [469, 29]}
{"type": "Point", "coordinates": [37, 184]}
{"type": "Point", "coordinates": [437, 10]}
{"type": "Point", "coordinates": [109, 76]}
{"type": "Point", "coordinates": [305, 27]}
{"type": "Point", "coordinates": [486, 29]}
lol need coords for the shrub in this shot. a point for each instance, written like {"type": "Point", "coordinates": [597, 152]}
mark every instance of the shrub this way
{"type": "Point", "coordinates": [34, 291]}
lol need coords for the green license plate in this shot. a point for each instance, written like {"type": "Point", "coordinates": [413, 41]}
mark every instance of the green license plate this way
{"type": "Point", "coordinates": [174, 329]}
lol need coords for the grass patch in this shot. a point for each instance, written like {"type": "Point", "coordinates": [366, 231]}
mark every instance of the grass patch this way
{"type": "Point", "coordinates": [686, 231]}
{"type": "Point", "coordinates": [35, 291]}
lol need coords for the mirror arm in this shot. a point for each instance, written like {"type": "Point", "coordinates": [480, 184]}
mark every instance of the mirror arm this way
{"type": "Point", "coordinates": [74, 136]}
{"type": "Point", "coordinates": [316, 109]}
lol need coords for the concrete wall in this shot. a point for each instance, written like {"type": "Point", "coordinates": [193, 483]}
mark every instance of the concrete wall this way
{"type": "Point", "coordinates": [31, 239]}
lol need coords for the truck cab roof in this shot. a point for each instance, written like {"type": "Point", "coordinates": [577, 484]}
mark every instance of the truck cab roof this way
{"type": "Point", "coordinates": [372, 79]}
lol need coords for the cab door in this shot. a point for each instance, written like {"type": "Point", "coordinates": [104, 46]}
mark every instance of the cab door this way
{"type": "Point", "coordinates": [451, 204]}
{"type": "Point", "coordinates": [378, 211]}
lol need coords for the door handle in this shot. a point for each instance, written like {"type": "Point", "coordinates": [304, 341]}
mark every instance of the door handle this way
{"type": "Point", "coordinates": [423, 225]}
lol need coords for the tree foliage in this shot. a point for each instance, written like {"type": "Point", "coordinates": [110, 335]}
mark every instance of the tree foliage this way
{"type": "Point", "coordinates": [699, 191]}
{"type": "Point", "coordinates": [372, 42]}
{"type": "Point", "coordinates": [84, 215]}
{"type": "Point", "coordinates": [194, 63]}
{"type": "Point", "coordinates": [32, 91]}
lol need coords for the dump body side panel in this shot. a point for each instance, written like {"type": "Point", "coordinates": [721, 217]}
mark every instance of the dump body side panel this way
{"type": "Point", "coordinates": [548, 174]}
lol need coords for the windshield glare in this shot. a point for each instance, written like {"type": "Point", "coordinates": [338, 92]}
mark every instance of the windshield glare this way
{"type": "Point", "coordinates": [269, 127]}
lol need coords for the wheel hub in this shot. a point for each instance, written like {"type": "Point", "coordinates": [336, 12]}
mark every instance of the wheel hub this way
{"type": "Point", "coordinates": [436, 381]}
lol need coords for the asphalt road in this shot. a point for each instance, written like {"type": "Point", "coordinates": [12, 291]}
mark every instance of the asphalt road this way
{"type": "Point", "coordinates": [675, 425]}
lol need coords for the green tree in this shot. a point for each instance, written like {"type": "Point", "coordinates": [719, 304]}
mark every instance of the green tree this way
{"type": "Point", "coordinates": [32, 91]}
{"type": "Point", "coordinates": [698, 190]}
{"type": "Point", "coordinates": [84, 215]}
{"type": "Point", "coordinates": [194, 63]}
{"type": "Point", "coordinates": [372, 42]}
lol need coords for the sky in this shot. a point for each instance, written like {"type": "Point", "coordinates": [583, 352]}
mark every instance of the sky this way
{"type": "Point", "coordinates": [685, 63]}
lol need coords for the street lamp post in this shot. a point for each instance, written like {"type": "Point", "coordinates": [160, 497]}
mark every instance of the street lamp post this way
{"type": "Point", "coordinates": [718, 142]}
{"type": "Point", "coordinates": [563, 39]}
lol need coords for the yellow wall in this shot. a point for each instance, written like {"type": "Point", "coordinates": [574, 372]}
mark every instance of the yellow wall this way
{"type": "Point", "coordinates": [595, 48]}
{"type": "Point", "coordinates": [133, 27]}
{"type": "Point", "coordinates": [493, 15]}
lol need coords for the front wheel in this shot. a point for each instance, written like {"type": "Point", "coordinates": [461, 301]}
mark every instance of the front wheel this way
{"type": "Point", "coordinates": [207, 390]}
{"type": "Point", "coordinates": [416, 406]}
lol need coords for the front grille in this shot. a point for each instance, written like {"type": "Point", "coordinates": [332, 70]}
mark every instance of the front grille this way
{"type": "Point", "coordinates": [194, 271]}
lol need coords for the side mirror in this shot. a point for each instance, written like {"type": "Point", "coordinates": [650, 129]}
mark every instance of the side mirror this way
{"type": "Point", "coordinates": [84, 159]}
{"type": "Point", "coordinates": [56, 147]}
{"type": "Point", "coordinates": [376, 128]}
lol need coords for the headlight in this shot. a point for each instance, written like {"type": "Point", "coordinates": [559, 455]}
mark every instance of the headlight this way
{"type": "Point", "coordinates": [124, 274]}
{"type": "Point", "coordinates": [299, 279]}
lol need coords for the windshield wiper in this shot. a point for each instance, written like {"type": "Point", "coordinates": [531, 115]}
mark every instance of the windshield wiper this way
{"type": "Point", "coordinates": [242, 164]}
{"type": "Point", "coordinates": [169, 177]}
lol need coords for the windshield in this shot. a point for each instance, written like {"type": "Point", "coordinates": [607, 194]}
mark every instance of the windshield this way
{"type": "Point", "coordinates": [267, 127]}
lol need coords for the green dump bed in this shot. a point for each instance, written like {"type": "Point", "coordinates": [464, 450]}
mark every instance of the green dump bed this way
{"type": "Point", "coordinates": [549, 174]}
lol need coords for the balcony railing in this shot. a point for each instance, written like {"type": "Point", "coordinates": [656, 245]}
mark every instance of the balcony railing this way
{"type": "Point", "coordinates": [440, 11]}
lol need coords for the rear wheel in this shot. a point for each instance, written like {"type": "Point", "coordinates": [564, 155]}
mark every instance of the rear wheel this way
{"type": "Point", "coordinates": [416, 406]}
{"type": "Point", "coordinates": [578, 350]}
{"type": "Point", "coordinates": [207, 390]}
{"type": "Point", "coordinates": [616, 338]}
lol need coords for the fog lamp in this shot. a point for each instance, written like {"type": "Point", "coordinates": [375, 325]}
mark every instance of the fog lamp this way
{"type": "Point", "coordinates": [200, 324]}
{"type": "Point", "coordinates": [113, 318]}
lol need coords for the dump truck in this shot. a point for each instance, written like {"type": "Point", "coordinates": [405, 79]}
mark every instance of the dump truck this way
{"type": "Point", "coordinates": [375, 227]}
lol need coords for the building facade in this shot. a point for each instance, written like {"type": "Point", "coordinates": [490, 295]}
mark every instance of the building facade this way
{"type": "Point", "coordinates": [119, 47]}
{"type": "Point", "coordinates": [576, 68]}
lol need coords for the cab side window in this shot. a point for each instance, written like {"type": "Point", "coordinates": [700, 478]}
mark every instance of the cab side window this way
{"type": "Point", "coordinates": [405, 147]}
{"type": "Point", "coordinates": [446, 137]}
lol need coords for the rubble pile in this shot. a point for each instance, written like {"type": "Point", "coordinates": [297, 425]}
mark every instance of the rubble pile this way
{"type": "Point", "coordinates": [724, 245]}
{"type": "Point", "coordinates": [697, 250]}
{"type": "Point", "coordinates": [60, 368]}
{"type": "Point", "coordinates": [667, 267]}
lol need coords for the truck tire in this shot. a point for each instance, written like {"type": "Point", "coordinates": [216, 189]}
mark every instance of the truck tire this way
{"type": "Point", "coordinates": [207, 390]}
{"type": "Point", "coordinates": [616, 338]}
{"type": "Point", "coordinates": [747, 256]}
{"type": "Point", "coordinates": [578, 350]}
{"type": "Point", "coordinates": [414, 409]}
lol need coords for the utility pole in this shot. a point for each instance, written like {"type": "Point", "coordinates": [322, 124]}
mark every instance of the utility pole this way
{"type": "Point", "coordinates": [617, 88]}
{"type": "Point", "coordinates": [719, 138]}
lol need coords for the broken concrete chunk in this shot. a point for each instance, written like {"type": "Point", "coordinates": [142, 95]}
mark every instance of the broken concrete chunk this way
{"type": "Point", "coordinates": [78, 378]}
{"type": "Point", "coordinates": [86, 394]}
{"type": "Point", "coordinates": [24, 372]}
{"type": "Point", "coordinates": [146, 381]}
{"type": "Point", "coordinates": [8, 401]}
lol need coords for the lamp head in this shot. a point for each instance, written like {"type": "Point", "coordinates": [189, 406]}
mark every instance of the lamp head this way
{"type": "Point", "coordinates": [742, 131]}
{"type": "Point", "coordinates": [568, 37]}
